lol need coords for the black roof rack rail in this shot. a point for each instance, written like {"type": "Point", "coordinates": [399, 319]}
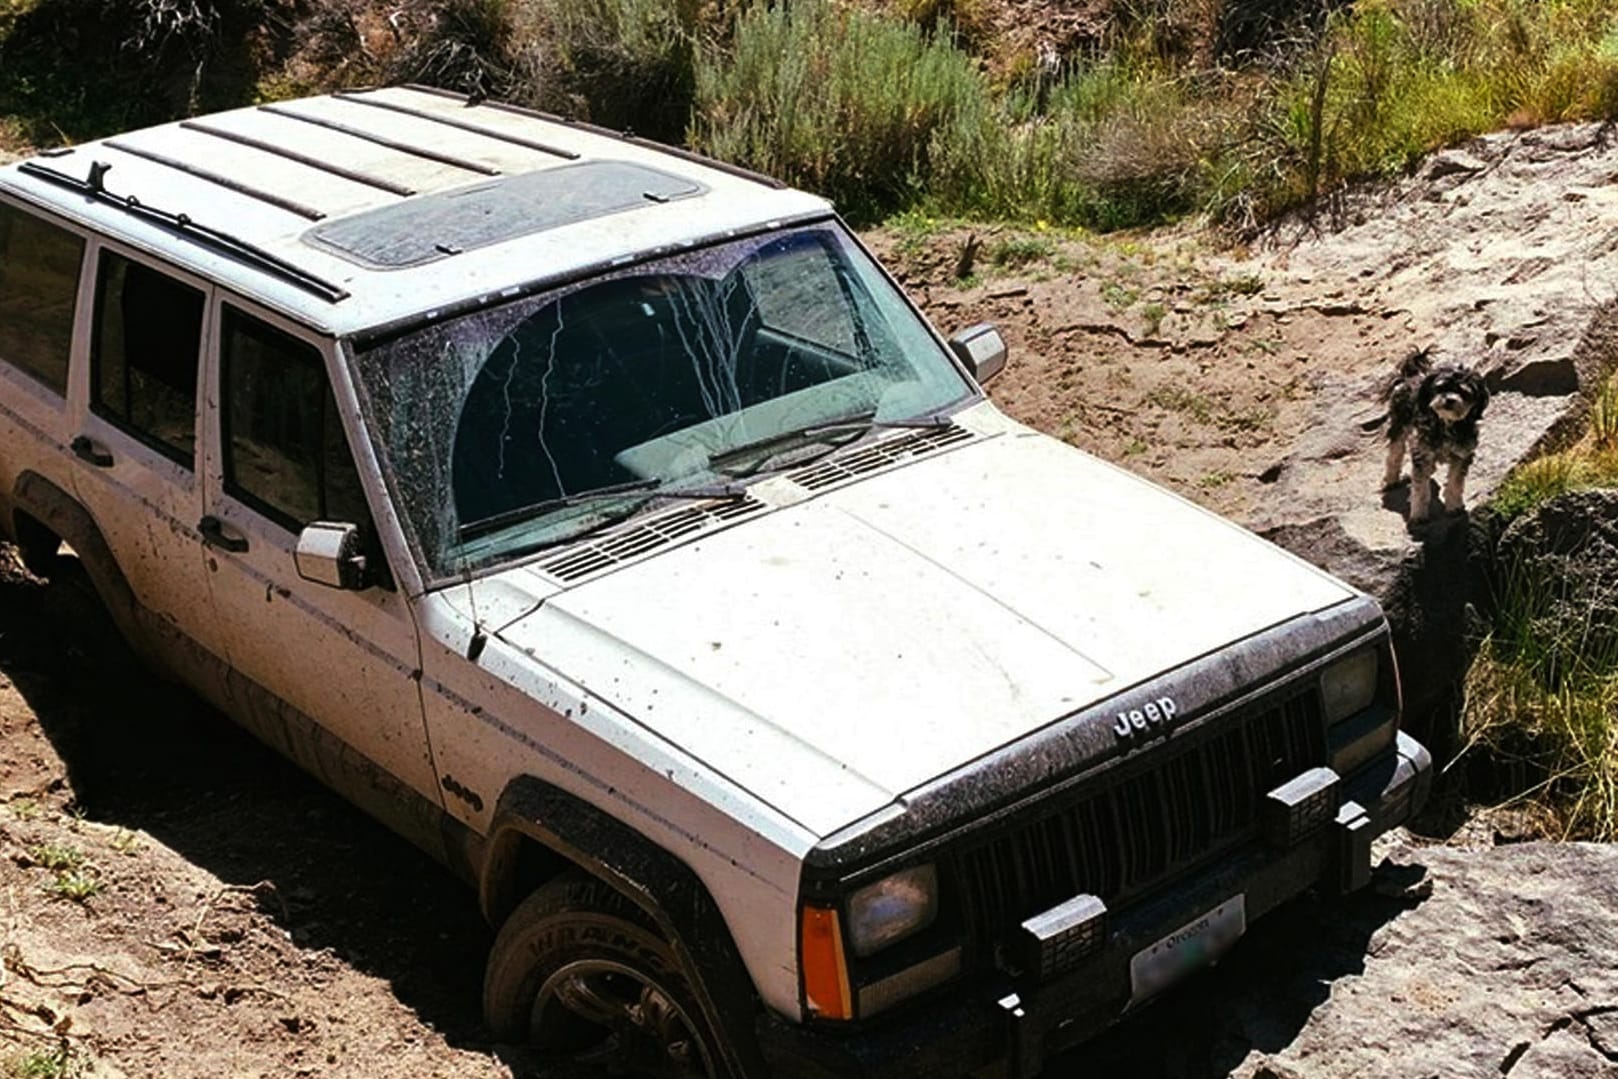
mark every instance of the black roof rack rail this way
{"type": "Point", "coordinates": [382, 140]}
{"type": "Point", "coordinates": [378, 182]}
{"type": "Point", "coordinates": [206, 235]}
{"type": "Point", "coordinates": [267, 197]}
{"type": "Point", "coordinates": [623, 136]}
{"type": "Point", "coordinates": [358, 97]}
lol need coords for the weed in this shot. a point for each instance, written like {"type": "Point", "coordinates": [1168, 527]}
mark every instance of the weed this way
{"type": "Point", "coordinates": [57, 856]}
{"type": "Point", "coordinates": [1152, 316]}
{"type": "Point", "coordinates": [58, 1063]}
{"type": "Point", "coordinates": [1222, 288]}
{"type": "Point", "coordinates": [1020, 250]}
{"type": "Point", "coordinates": [1604, 416]}
{"type": "Point", "coordinates": [1135, 448]}
{"type": "Point", "coordinates": [1256, 418]}
{"type": "Point", "coordinates": [1118, 295]}
{"type": "Point", "coordinates": [1179, 399]}
{"type": "Point", "coordinates": [76, 884]}
{"type": "Point", "coordinates": [1537, 482]}
{"type": "Point", "coordinates": [25, 809]}
{"type": "Point", "coordinates": [124, 841]}
{"type": "Point", "coordinates": [1213, 480]}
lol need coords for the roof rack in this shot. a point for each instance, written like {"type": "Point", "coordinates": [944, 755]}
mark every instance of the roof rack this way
{"type": "Point", "coordinates": [355, 175]}
{"type": "Point", "coordinates": [382, 140]}
{"type": "Point", "coordinates": [267, 197]}
{"type": "Point", "coordinates": [357, 97]}
{"type": "Point", "coordinates": [595, 129]}
{"type": "Point", "coordinates": [215, 239]}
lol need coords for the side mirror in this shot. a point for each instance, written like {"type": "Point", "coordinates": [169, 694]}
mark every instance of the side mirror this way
{"type": "Point", "coordinates": [982, 349]}
{"type": "Point", "coordinates": [328, 553]}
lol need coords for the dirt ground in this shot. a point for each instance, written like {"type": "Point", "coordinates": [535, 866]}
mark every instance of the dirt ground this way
{"type": "Point", "coordinates": [1185, 360]}
{"type": "Point", "coordinates": [179, 902]}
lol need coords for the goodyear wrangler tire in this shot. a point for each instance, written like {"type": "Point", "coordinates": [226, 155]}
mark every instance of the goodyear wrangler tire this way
{"type": "Point", "coordinates": [576, 973]}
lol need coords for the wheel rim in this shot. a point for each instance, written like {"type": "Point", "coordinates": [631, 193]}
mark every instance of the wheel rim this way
{"type": "Point", "coordinates": [613, 1016]}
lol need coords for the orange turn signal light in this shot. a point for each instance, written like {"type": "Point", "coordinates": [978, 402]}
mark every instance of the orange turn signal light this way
{"type": "Point", "coordinates": [825, 974]}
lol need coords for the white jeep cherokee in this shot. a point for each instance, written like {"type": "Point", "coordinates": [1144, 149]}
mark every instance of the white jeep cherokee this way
{"type": "Point", "coordinates": [604, 520]}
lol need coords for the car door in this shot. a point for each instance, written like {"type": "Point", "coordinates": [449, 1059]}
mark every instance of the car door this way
{"type": "Point", "coordinates": [348, 660]}
{"type": "Point", "coordinates": [137, 455]}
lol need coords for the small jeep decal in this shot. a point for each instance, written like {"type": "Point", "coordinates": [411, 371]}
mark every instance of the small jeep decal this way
{"type": "Point", "coordinates": [1151, 715]}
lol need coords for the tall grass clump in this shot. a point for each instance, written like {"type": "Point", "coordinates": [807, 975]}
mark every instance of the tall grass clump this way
{"type": "Point", "coordinates": [833, 98]}
{"type": "Point", "coordinates": [1542, 692]}
{"type": "Point", "coordinates": [1542, 701]}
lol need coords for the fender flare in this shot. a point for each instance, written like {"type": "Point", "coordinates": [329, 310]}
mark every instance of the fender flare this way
{"type": "Point", "coordinates": [59, 511]}
{"type": "Point", "coordinates": [656, 881]}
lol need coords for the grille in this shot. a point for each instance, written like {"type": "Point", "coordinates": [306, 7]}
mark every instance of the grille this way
{"type": "Point", "coordinates": [888, 451]}
{"type": "Point", "coordinates": [646, 535]}
{"type": "Point", "coordinates": [1122, 840]}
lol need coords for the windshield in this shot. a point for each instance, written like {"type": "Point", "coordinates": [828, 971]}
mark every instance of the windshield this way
{"type": "Point", "coordinates": [496, 426]}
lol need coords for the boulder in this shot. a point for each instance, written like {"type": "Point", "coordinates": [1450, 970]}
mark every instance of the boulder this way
{"type": "Point", "coordinates": [1464, 964]}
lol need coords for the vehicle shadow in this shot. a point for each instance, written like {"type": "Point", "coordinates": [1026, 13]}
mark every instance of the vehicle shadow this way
{"type": "Point", "coordinates": [1260, 998]}
{"type": "Point", "coordinates": [150, 757]}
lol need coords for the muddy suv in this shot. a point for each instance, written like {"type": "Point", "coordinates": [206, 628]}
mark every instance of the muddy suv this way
{"type": "Point", "coordinates": [606, 521]}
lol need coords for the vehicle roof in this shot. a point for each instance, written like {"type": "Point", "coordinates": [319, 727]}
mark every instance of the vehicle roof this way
{"type": "Point", "coordinates": [363, 208]}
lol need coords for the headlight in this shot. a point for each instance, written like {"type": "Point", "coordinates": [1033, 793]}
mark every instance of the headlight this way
{"type": "Point", "coordinates": [1348, 686]}
{"type": "Point", "coordinates": [893, 908]}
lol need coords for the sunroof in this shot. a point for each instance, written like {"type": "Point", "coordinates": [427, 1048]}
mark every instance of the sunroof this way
{"type": "Point", "coordinates": [428, 227]}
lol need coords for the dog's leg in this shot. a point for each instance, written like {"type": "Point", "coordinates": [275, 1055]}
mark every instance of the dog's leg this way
{"type": "Point", "coordinates": [1422, 467]}
{"type": "Point", "coordinates": [1396, 461]}
{"type": "Point", "coordinates": [1455, 483]}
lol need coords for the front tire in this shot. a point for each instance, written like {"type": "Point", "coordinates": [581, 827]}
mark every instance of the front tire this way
{"type": "Point", "coordinates": [577, 973]}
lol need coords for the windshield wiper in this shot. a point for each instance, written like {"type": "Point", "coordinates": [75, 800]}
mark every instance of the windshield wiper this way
{"type": "Point", "coordinates": [838, 433]}
{"type": "Point", "coordinates": [650, 488]}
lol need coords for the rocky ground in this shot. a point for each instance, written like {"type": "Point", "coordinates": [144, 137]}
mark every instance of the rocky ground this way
{"type": "Point", "coordinates": [178, 902]}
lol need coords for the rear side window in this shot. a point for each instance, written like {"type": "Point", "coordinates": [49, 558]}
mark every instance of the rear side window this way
{"type": "Point", "coordinates": [39, 281]}
{"type": "Point", "coordinates": [285, 454]}
{"type": "Point", "coordinates": [143, 378]}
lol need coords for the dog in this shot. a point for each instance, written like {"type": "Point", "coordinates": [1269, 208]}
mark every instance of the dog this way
{"type": "Point", "coordinates": [1433, 412]}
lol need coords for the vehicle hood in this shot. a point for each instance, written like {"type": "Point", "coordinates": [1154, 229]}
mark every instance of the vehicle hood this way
{"type": "Point", "coordinates": [833, 654]}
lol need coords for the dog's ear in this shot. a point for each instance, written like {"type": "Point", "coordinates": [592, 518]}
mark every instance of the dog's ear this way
{"type": "Point", "coordinates": [1480, 393]}
{"type": "Point", "coordinates": [1416, 364]}
{"type": "Point", "coordinates": [1425, 390]}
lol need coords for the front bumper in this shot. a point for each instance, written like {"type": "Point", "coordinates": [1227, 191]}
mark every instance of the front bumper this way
{"type": "Point", "coordinates": [1004, 1027]}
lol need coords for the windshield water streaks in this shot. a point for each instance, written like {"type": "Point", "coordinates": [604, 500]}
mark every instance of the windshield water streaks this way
{"type": "Point", "coordinates": [498, 427]}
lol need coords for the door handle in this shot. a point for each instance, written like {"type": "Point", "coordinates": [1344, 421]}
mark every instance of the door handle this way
{"type": "Point", "coordinates": [214, 535]}
{"type": "Point", "coordinates": [86, 449]}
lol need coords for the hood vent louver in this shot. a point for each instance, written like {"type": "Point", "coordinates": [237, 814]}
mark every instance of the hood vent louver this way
{"type": "Point", "coordinates": [591, 556]}
{"type": "Point", "coordinates": [880, 455]}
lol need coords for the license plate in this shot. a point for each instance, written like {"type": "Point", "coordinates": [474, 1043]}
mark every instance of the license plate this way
{"type": "Point", "coordinates": [1197, 944]}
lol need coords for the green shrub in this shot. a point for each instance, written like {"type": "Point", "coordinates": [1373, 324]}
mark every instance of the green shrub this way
{"type": "Point", "coordinates": [77, 69]}
{"type": "Point", "coordinates": [621, 63]}
{"type": "Point", "coordinates": [834, 99]}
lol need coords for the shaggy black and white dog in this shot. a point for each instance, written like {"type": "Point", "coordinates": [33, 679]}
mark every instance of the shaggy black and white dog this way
{"type": "Point", "coordinates": [1434, 412]}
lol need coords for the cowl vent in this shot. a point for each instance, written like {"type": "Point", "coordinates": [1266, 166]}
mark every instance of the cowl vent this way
{"type": "Point", "coordinates": [647, 535]}
{"type": "Point", "coordinates": [880, 455]}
